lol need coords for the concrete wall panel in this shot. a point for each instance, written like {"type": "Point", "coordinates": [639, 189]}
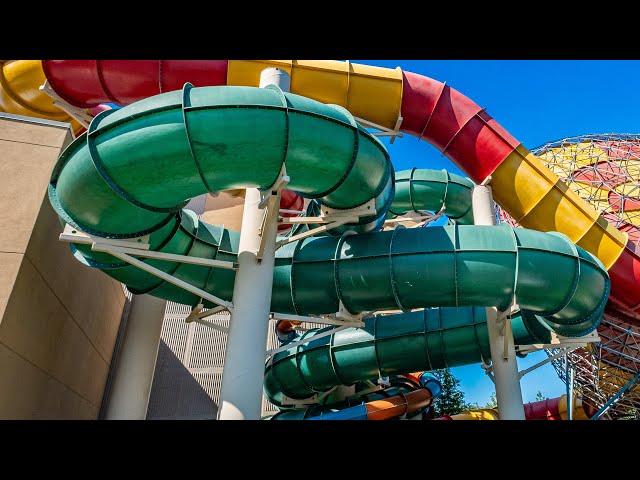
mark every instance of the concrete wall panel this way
{"type": "Point", "coordinates": [58, 318]}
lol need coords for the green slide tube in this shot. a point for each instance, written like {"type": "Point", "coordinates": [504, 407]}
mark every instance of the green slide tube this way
{"type": "Point", "coordinates": [416, 190]}
{"type": "Point", "coordinates": [429, 190]}
{"type": "Point", "coordinates": [451, 266]}
{"type": "Point", "coordinates": [395, 344]}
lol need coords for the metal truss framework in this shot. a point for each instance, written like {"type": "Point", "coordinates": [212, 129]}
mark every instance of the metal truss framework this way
{"type": "Point", "coordinates": [606, 374]}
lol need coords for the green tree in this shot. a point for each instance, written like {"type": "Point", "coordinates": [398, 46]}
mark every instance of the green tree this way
{"type": "Point", "coordinates": [540, 396]}
{"type": "Point", "coordinates": [493, 401]}
{"type": "Point", "coordinates": [451, 401]}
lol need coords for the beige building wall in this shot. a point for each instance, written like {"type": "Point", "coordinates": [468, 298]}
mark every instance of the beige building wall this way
{"type": "Point", "coordinates": [58, 318]}
{"type": "Point", "coordinates": [225, 209]}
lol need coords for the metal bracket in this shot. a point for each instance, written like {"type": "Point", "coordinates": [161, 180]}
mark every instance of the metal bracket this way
{"type": "Point", "coordinates": [383, 131]}
{"type": "Point", "coordinates": [208, 324]}
{"type": "Point", "coordinates": [503, 322]}
{"type": "Point", "coordinates": [346, 316]}
{"type": "Point", "coordinates": [364, 210]}
{"type": "Point", "coordinates": [80, 115]}
{"type": "Point", "coordinates": [314, 231]}
{"type": "Point", "coordinates": [330, 218]}
{"type": "Point", "coordinates": [270, 203]}
{"type": "Point", "coordinates": [269, 195]}
{"type": "Point", "coordinates": [549, 359]}
{"type": "Point", "coordinates": [124, 249]}
{"type": "Point", "coordinates": [422, 218]}
{"type": "Point", "coordinates": [488, 370]}
{"type": "Point", "coordinates": [326, 320]}
{"type": "Point", "coordinates": [558, 341]}
{"type": "Point", "coordinates": [384, 382]}
{"type": "Point", "coordinates": [198, 313]}
{"type": "Point", "coordinates": [486, 181]}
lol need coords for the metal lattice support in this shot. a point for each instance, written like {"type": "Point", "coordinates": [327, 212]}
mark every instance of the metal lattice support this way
{"type": "Point", "coordinates": [604, 170]}
{"type": "Point", "coordinates": [604, 368]}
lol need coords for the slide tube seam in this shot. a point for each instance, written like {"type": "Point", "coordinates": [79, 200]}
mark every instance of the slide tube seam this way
{"type": "Point", "coordinates": [352, 162]}
{"type": "Point", "coordinates": [394, 284]}
{"type": "Point", "coordinates": [375, 349]}
{"type": "Point", "coordinates": [446, 191]}
{"type": "Point", "coordinates": [285, 148]}
{"type": "Point", "coordinates": [576, 277]}
{"type": "Point", "coordinates": [466, 123]}
{"type": "Point", "coordinates": [435, 105]}
{"type": "Point", "coordinates": [441, 330]}
{"type": "Point", "coordinates": [292, 283]}
{"type": "Point", "coordinates": [426, 345]}
{"type": "Point", "coordinates": [477, 337]}
{"type": "Point", "coordinates": [298, 366]}
{"type": "Point", "coordinates": [334, 362]}
{"type": "Point", "coordinates": [411, 189]}
{"type": "Point", "coordinates": [103, 85]}
{"type": "Point", "coordinates": [57, 88]}
{"type": "Point", "coordinates": [192, 239]}
{"type": "Point", "coordinates": [336, 269]}
{"type": "Point", "coordinates": [516, 242]}
{"type": "Point", "coordinates": [186, 103]}
{"type": "Point", "coordinates": [454, 261]}
{"type": "Point", "coordinates": [160, 74]}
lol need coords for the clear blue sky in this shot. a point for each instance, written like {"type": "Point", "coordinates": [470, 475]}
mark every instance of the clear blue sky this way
{"type": "Point", "coordinates": [536, 101]}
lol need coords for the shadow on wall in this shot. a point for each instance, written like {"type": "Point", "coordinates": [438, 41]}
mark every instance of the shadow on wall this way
{"type": "Point", "coordinates": [175, 393]}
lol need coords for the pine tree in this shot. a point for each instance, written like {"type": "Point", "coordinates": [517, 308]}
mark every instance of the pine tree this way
{"type": "Point", "coordinates": [493, 401]}
{"type": "Point", "coordinates": [540, 396]}
{"type": "Point", "coordinates": [451, 400]}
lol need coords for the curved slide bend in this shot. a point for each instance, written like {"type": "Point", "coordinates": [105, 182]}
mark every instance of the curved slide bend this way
{"type": "Point", "coordinates": [135, 168]}
{"type": "Point", "coordinates": [418, 105]}
{"type": "Point", "coordinates": [429, 339]}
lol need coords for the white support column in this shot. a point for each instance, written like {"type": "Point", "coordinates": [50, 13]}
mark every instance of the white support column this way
{"type": "Point", "coordinates": [505, 370]}
{"type": "Point", "coordinates": [243, 375]}
{"type": "Point", "coordinates": [129, 396]}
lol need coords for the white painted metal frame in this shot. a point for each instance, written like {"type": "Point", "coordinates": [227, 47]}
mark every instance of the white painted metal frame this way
{"type": "Point", "coordinates": [329, 218]}
{"type": "Point", "coordinates": [558, 341]}
{"type": "Point", "coordinates": [383, 131]}
{"type": "Point", "coordinates": [80, 115]}
{"type": "Point", "coordinates": [541, 363]}
{"type": "Point", "coordinates": [124, 249]}
{"type": "Point", "coordinates": [326, 320]}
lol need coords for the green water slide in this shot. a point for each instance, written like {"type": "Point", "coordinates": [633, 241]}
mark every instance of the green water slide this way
{"type": "Point", "coordinates": [395, 344]}
{"type": "Point", "coordinates": [135, 168]}
{"type": "Point", "coordinates": [419, 190]}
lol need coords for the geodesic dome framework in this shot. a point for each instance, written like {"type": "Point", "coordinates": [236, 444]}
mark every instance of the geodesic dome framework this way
{"type": "Point", "coordinates": [603, 169]}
